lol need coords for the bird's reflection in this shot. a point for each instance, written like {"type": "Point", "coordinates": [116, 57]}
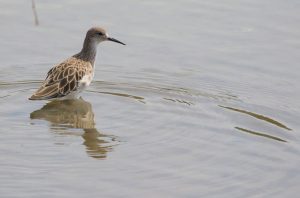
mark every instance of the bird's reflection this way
{"type": "Point", "coordinates": [78, 113]}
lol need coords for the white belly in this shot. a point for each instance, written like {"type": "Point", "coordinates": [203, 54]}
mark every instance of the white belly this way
{"type": "Point", "coordinates": [85, 82]}
{"type": "Point", "coordinates": [82, 85]}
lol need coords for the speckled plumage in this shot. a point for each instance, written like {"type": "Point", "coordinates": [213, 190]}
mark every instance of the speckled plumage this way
{"type": "Point", "coordinates": [64, 79]}
{"type": "Point", "coordinates": [67, 79]}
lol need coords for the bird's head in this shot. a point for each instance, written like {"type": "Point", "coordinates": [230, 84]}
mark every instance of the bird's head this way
{"type": "Point", "coordinates": [98, 34]}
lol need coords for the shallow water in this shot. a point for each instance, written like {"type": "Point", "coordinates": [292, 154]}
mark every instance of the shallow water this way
{"type": "Point", "coordinates": [203, 101]}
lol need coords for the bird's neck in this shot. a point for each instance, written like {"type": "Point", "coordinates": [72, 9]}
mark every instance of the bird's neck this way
{"type": "Point", "coordinates": [89, 51]}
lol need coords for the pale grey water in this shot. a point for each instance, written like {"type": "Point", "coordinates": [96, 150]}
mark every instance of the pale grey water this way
{"type": "Point", "coordinates": [202, 102]}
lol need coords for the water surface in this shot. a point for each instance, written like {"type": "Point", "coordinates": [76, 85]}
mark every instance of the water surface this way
{"type": "Point", "coordinates": [203, 101]}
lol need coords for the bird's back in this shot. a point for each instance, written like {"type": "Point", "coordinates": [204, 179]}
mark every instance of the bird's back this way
{"type": "Point", "coordinates": [65, 79]}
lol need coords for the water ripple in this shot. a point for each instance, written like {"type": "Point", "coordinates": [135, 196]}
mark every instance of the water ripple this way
{"type": "Point", "coordinates": [258, 116]}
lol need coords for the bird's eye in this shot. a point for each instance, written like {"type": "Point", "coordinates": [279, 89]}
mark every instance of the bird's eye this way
{"type": "Point", "coordinates": [100, 33]}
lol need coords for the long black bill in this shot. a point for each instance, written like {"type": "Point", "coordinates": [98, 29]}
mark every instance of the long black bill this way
{"type": "Point", "coordinates": [115, 40]}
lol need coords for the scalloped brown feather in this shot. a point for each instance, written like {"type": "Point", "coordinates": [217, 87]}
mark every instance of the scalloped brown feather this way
{"type": "Point", "coordinates": [63, 79]}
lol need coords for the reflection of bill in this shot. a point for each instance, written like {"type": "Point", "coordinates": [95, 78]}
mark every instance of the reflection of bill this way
{"type": "Point", "coordinates": [76, 114]}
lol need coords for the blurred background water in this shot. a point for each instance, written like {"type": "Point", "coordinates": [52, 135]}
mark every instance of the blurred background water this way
{"type": "Point", "coordinates": [203, 101]}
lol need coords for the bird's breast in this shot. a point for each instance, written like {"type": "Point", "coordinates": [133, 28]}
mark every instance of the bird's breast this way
{"type": "Point", "coordinates": [85, 81]}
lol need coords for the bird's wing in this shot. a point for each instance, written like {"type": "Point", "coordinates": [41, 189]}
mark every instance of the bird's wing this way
{"type": "Point", "coordinates": [61, 80]}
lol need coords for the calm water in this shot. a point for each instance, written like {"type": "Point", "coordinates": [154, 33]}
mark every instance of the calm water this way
{"type": "Point", "coordinates": [203, 101]}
